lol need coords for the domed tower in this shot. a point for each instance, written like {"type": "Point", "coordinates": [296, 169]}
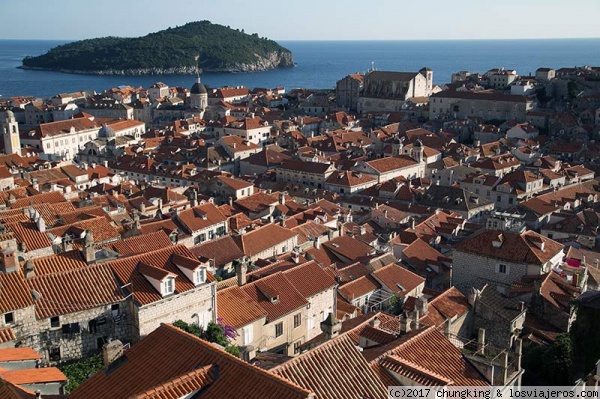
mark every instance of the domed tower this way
{"type": "Point", "coordinates": [397, 146]}
{"type": "Point", "coordinates": [10, 132]}
{"type": "Point", "coordinates": [417, 152]}
{"type": "Point", "coordinates": [198, 93]}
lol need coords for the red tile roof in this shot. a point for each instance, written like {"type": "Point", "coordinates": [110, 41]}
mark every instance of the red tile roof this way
{"type": "Point", "coordinates": [169, 353]}
{"type": "Point", "coordinates": [334, 370]}
{"type": "Point", "coordinates": [18, 354]}
{"type": "Point", "coordinates": [43, 375]}
{"type": "Point", "coordinates": [449, 304]}
{"type": "Point", "coordinates": [75, 290]}
{"type": "Point", "coordinates": [263, 238]}
{"type": "Point", "coordinates": [201, 217]}
{"type": "Point", "coordinates": [430, 355]}
{"type": "Point", "coordinates": [143, 292]}
{"type": "Point", "coordinates": [15, 293]}
{"type": "Point", "coordinates": [516, 248]}
{"type": "Point", "coordinates": [236, 308]}
{"type": "Point", "coordinates": [398, 279]}
{"type": "Point", "coordinates": [309, 279]}
{"type": "Point", "coordinates": [276, 295]}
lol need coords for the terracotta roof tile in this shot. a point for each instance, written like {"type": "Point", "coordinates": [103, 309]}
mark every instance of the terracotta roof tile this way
{"type": "Point", "coordinates": [515, 247]}
{"type": "Point", "coordinates": [143, 292]}
{"type": "Point", "coordinates": [449, 304]}
{"type": "Point", "coordinates": [334, 370]}
{"type": "Point", "coordinates": [43, 375]}
{"type": "Point", "coordinates": [237, 308]}
{"type": "Point", "coordinates": [7, 334]}
{"type": "Point", "coordinates": [309, 279]}
{"type": "Point", "coordinates": [398, 279]}
{"type": "Point", "coordinates": [276, 295]}
{"type": "Point", "coordinates": [141, 244]}
{"type": "Point", "coordinates": [75, 290]}
{"type": "Point", "coordinates": [15, 293]}
{"type": "Point", "coordinates": [222, 250]}
{"type": "Point", "coordinates": [179, 353]}
{"type": "Point", "coordinates": [18, 354]}
{"type": "Point", "coordinates": [200, 217]}
{"type": "Point", "coordinates": [263, 238]}
{"type": "Point", "coordinates": [436, 357]}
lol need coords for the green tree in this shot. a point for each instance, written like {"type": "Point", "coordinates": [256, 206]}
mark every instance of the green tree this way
{"type": "Point", "coordinates": [585, 338]}
{"type": "Point", "coordinates": [557, 361]}
{"type": "Point", "coordinates": [79, 371]}
{"type": "Point", "coordinates": [218, 333]}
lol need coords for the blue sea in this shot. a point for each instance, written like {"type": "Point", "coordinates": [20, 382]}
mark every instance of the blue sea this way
{"type": "Point", "coordinates": [319, 64]}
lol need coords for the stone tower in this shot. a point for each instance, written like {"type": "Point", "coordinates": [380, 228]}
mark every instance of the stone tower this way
{"type": "Point", "coordinates": [397, 146]}
{"type": "Point", "coordinates": [428, 73]}
{"type": "Point", "coordinates": [198, 94]}
{"type": "Point", "coordinates": [10, 132]}
{"type": "Point", "coordinates": [417, 152]}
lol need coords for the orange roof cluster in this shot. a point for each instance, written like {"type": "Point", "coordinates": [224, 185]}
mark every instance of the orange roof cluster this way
{"type": "Point", "coordinates": [187, 364]}
{"type": "Point", "coordinates": [75, 290]}
{"type": "Point", "coordinates": [127, 271]}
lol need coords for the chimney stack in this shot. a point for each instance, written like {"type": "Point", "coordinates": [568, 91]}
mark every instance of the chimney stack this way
{"type": "Point", "coordinates": [331, 327]}
{"type": "Point", "coordinates": [89, 252]}
{"type": "Point", "coordinates": [240, 271]}
{"type": "Point", "coordinates": [112, 351]}
{"type": "Point", "coordinates": [404, 324]}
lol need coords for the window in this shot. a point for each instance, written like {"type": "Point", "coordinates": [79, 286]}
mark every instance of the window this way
{"type": "Point", "coordinates": [248, 332]}
{"type": "Point", "coordinates": [9, 318]}
{"type": "Point", "coordinates": [502, 269]}
{"type": "Point", "coordinates": [297, 347]}
{"type": "Point", "coordinates": [297, 320]}
{"type": "Point", "coordinates": [279, 329]}
{"type": "Point", "coordinates": [54, 354]}
{"type": "Point", "coordinates": [284, 249]}
{"type": "Point", "coordinates": [168, 286]}
{"type": "Point", "coordinates": [310, 323]}
{"type": "Point", "coordinates": [200, 275]}
{"type": "Point", "coordinates": [114, 309]}
{"type": "Point", "coordinates": [55, 322]}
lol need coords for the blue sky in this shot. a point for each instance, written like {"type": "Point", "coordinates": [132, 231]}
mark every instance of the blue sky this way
{"type": "Point", "coordinates": [308, 19]}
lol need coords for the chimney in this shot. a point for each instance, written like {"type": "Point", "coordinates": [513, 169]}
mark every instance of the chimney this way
{"type": "Point", "coordinates": [8, 259]}
{"type": "Point", "coordinates": [404, 324]}
{"type": "Point", "coordinates": [112, 351]}
{"type": "Point", "coordinates": [521, 306]}
{"type": "Point", "coordinates": [412, 223]}
{"type": "Point", "coordinates": [318, 242]}
{"type": "Point", "coordinates": [136, 219]}
{"type": "Point", "coordinates": [330, 326]}
{"type": "Point", "coordinates": [160, 204]}
{"type": "Point", "coordinates": [240, 271]}
{"type": "Point", "coordinates": [41, 223]}
{"type": "Point", "coordinates": [295, 257]}
{"type": "Point", "coordinates": [416, 322]}
{"type": "Point", "coordinates": [282, 198]}
{"type": "Point", "coordinates": [422, 305]}
{"type": "Point", "coordinates": [29, 269]}
{"type": "Point", "coordinates": [89, 252]}
{"type": "Point", "coordinates": [194, 198]}
{"type": "Point", "coordinates": [38, 394]}
{"type": "Point", "coordinates": [375, 322]}
{"type": "Point", "coordinates": [230, 201]}
{"type": "Point", "coordinates": [481, 341]}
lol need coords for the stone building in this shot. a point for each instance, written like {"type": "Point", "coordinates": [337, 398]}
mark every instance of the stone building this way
{"type": "Point", "coordinates": [500, 258]}
{"type": "Point", "coordinates": [487, 105]}
{"type": "Point", "coordinates": [385, 91]}
{"type": "Point", "coordinates": [164, 286]}
{"type": "Point", "coordinates": [347, 91]}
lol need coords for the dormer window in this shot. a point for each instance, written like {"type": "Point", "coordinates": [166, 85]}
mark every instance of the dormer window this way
{"type": "Point", "coordinates": [168, 286]}
{"type": "Point", "coordinates": [200, 275]}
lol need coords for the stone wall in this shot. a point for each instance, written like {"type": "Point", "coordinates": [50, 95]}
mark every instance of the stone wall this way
{"type": "Point", "coordinates": [185, 306]}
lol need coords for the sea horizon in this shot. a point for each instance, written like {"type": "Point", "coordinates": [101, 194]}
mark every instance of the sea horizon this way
{"type": "Point", "coordinates": [319, 63]}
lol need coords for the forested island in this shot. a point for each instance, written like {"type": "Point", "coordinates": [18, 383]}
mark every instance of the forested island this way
{"type": "Point", "coordinates": [169, 51]}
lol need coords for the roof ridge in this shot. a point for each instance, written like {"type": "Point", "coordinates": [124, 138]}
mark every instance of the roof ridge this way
{"type": "Point", "coordinates": [419, 368]}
